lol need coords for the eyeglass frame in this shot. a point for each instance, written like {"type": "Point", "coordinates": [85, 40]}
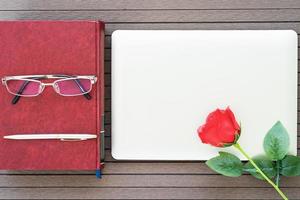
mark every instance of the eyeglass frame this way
{"type": "Point", "coordinates": [35, 78]}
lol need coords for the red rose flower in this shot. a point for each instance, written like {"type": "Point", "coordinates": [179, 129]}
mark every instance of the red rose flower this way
{"type": "Point", "coordinates": [220, 129]}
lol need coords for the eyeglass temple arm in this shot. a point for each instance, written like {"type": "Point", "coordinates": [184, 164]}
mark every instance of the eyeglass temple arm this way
{"type": "Point", "coordinates": [17, 97]}
{"type": "Point", "coordinates": [24, 85]}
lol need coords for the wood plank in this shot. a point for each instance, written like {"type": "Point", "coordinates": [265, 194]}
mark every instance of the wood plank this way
{"type": "Point", "coordinates": [107, 142]}
{"type": "Point", "coordinates": [107, 118]}
{"type": "Point", "coordinates": [107, 79]}
{"type": "Point", "coordinates": [107, 67]}
{"type": "Point", "coordinates": [107, 92]}
{"type": "Point", "coordinates": [178, 181]}
{"type": "Point", "coordinates": [107, 105]}
{"type": "Point", "coordinates": [145, 193]}
{"type": "Point", "coordinates": [107, 129]}
{"type": "Point", "coordinates": [144, 4]}
{"type": "Point", "coordinates": [174, 16]}
{"type": "Point", "coordinates": [130, 168]}
{"type": "Point", "coordinates": [161, 168]}
{"type": "Point", "coordinates": [107, 58]}
{"type": "Point", "coordinates": [113, 167]}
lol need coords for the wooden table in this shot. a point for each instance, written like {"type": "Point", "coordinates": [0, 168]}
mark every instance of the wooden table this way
{"type": "Point", "coordinates": [149, 180]}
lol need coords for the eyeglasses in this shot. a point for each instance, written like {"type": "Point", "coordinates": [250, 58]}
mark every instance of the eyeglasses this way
{"type": "Point", "coordinates": [66, 85]}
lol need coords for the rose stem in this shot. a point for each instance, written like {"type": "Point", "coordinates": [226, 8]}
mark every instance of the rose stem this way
{"type": "Point", "coordinates": [237, 146]}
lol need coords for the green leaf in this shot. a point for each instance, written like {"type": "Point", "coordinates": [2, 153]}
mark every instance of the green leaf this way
{"type": "Point", "coordinates": [265, 164]}
{"type": "Point", "coordinates": [276, 142]}
{"type": "Point", "coordinates": [290, 166]}
{"type": "Point", "coordinates": [226, 164]}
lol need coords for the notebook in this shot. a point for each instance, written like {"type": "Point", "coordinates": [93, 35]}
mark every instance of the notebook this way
{"type": "Point", "coordinates": [51, 47]}
{"type": "Point", "coordinates": [165, 83]}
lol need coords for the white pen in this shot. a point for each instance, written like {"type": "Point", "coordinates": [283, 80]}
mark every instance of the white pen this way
{"type": "Point", "coordinates": [66, 137]}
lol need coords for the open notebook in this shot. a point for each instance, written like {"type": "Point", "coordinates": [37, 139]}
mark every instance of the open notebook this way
{"type": "Point", "coordinates": [51, 47]}
{"type": "Point", "coordinates": [164, 84]}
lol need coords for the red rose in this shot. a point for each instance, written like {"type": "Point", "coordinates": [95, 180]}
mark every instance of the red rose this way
{"type": "Point", "coordinates": [220, 129]}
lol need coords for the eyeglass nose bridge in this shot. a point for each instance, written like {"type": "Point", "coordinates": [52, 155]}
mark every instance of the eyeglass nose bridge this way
{"type": "Point", "coordinates": [54, 85]}
{"type": "Point", "coordinates": [48, 84]}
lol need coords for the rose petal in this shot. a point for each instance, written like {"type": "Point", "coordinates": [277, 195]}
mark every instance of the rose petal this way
{"type": "Point", "coordinates": [208, 136]}
{"type": "Point", "coordinates": [234, 122]}
{"type": "Point", "coordinates": [226, 130]}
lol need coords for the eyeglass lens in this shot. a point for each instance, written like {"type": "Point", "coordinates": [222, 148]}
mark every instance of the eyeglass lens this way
{"type": "Point", "coordinates": [74, 86]}
{"type": "Point", "coordinates": [23, 87]}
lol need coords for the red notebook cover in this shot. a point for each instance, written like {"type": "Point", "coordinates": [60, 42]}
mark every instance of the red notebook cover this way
{"type": "Point", "coordinates": [51, 47]}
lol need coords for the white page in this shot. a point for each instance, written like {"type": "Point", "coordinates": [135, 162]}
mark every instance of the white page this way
{"type": "Point", "coordinates": [165, 83]}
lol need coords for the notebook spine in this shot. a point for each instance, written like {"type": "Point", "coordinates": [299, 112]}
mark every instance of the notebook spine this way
{"type": "Point", "coordinates": [102, 139]}
{"type": "Point", "coordinates": [100, 71]}
{"type": "Point", "coordinates": [99, 108]}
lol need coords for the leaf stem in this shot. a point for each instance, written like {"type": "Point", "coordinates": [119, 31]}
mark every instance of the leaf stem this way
{"type": "Point", "coordinates": [237, 146]}
{"type": "Point", "coordinates": [277, 172]}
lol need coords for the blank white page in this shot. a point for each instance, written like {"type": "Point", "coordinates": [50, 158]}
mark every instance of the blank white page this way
{"type": "Point", "coordinates": [165, 83]}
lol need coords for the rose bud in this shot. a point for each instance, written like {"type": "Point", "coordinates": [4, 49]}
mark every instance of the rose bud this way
{"type": "Point", "coordinates": [220, 129]}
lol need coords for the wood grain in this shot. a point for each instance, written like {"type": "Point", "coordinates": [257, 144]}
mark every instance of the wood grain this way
{"type": "Point", "coordinates": [150, 179]}
{"type": "Point", "coordinates": [140, 181]}
{"type": "Point", "coordinates": [132, 168]}
{"type": "Point", "coordinates": [145, 193]}
{"type": "Point", "coordinates": [145, 4]}
{"type": "Point", "coordinates": [170, 16]}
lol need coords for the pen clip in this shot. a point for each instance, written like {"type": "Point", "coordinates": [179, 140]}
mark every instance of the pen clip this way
{"type": "Point", "coordinates": [72, 140]}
